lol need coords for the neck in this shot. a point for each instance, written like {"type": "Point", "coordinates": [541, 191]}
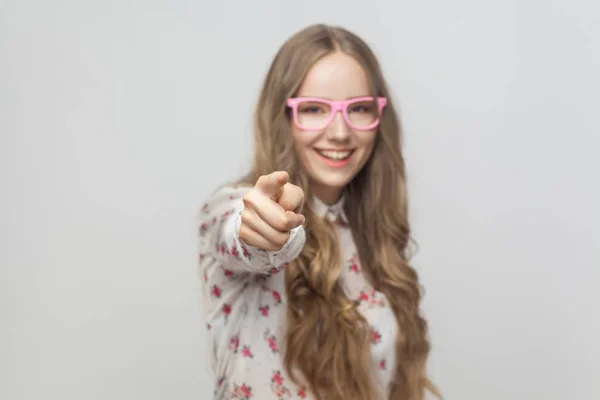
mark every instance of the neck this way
{"type": "Point", "coordinates": [327, 194]}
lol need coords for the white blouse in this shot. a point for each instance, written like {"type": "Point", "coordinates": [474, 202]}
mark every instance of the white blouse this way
{"type": "Point", "coordinates": [244, 302]}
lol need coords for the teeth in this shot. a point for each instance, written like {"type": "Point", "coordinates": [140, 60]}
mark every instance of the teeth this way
{"type": "Point", "coordinates": [335, 155]}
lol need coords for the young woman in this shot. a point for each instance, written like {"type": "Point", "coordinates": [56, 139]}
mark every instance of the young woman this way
{"type": "Point", "coordinates": [308, 289]}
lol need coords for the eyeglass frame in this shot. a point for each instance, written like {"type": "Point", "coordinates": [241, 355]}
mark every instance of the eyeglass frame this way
{"type": "Point", "coordinates": [336, 106]}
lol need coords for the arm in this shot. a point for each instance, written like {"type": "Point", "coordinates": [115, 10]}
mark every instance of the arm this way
{"type": "Point", "coordinates": [220, 220]}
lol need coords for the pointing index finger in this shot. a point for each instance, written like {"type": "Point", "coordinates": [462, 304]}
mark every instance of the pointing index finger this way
{"type": "Point", "coordinates": [272, 184]}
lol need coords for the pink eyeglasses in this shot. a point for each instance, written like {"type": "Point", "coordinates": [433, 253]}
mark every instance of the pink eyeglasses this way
{"type": "Point", "coordinates": [315, 114]}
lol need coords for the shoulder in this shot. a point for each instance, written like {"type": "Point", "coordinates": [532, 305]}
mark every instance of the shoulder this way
{"type": "Point", "coordinates": [229, 192]}
{"type": "Point", "coordinates": [225, 197]}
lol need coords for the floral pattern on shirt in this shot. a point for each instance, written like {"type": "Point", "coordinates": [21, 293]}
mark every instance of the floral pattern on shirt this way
{"type": "Point", "coordinates": [244, 302]}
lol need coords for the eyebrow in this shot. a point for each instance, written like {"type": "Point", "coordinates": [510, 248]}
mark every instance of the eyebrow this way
{"type": "Point", "coordinates": [347, 98]}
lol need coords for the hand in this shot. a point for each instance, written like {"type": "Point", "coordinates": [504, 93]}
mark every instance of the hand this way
{"type": "Point", "coordinates": [271, 212]}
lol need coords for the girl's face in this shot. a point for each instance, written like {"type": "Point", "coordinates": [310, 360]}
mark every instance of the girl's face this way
{"type": "Point", "coordinates": [333, 154]}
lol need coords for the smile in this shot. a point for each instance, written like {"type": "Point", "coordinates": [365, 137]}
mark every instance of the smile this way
{"type": "Point", "coordinates": [335, 155]}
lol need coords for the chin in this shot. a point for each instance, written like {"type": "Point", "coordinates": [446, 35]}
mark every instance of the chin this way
{"type": "Point", "coordinates": [330, 176]}
{"type": "Point", "coordinates": [333, 181]}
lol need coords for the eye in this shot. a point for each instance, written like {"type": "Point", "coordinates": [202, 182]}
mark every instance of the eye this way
{"type": "Point", "coordinates": [312, 108]}
{"type": "Point", "coordinates": [361, 108]}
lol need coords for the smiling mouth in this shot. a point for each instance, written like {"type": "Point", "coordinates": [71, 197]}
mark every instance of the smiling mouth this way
{"type": "Point", "coordinates": [335, 155]}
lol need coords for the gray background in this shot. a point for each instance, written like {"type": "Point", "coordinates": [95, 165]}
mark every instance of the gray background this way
{"type": "Point", "coordinates": [118, 118]}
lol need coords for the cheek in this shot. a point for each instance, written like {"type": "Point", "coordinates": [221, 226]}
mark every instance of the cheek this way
{"type": "Point", "coordinates": [367, 142]}
{"type": "Point", "coordinates": [303, 141]}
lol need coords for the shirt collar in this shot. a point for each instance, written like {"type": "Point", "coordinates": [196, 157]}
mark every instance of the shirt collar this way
{"type": "Point", "coordinates": [334, 212]}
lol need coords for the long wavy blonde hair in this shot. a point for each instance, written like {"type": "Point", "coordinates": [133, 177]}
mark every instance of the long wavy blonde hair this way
{"type": "Point", "coordinates": [328, 340]}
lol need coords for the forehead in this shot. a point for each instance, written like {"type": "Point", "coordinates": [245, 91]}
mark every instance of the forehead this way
{"type": "Point", "coordinates": [336, 76]}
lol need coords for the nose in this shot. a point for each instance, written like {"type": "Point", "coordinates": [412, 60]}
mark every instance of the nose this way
{"type": "Point", "coordinates": [339, 129]}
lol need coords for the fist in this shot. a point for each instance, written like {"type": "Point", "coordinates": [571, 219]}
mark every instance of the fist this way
{"type": "Point", "coordinates": [271, 211]}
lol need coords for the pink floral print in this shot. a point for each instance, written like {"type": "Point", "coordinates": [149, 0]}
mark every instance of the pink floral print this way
{"type": "Point", "coordinates": [244, 302]}
{"type": "Point", "coordinates": [242, 392]}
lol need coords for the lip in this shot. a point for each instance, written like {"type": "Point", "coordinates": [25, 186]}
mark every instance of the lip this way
{"type": "Point", "coordinates": [335, 163]}
{"type": "Point", "coordinates": [330, 149]}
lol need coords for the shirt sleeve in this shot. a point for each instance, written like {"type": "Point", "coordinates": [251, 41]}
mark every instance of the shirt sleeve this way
{"type": "Point", "coordinates": [220, 220]}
